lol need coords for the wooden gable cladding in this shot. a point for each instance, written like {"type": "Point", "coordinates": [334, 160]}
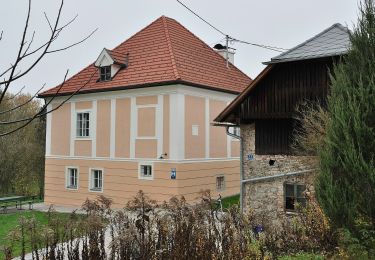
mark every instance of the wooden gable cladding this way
{"type": "Point", "coordinates": [286, 86]}
{"type": "Point", "coordinates": [274, 136]}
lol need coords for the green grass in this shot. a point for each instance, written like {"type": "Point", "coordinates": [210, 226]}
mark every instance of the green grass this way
{"type": "Point", "coordinates": [230, 201]}
{"type": "Point", "coordinates": [9, 222]}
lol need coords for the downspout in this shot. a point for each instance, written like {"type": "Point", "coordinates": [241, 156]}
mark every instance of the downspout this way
{"type": "Point", "coordinates": [241, 165]}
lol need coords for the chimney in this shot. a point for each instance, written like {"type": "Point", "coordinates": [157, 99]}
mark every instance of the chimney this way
{"type": "Point", "coordinates": [222, 50]}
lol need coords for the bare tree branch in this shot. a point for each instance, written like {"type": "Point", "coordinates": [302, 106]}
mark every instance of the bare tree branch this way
{"type": "Point", "coordinates": [23, 104]}
{"type": "Point", "coordinates": [28, 46]}
{"type": "Point", "coordinates": [19, 52]}
{"type": "Point", "coordinates": [55, 31]}
{"type": "Point", "coordinates": [13, 73]}
{"type": "Point", "coordinates": [15, 95]}
{"type": "Point", "coordinates": [74, 44]}
{"type": "Point", "coordinates": [49, 23]}
{"type": "Point", "coordinates": [53, 97]}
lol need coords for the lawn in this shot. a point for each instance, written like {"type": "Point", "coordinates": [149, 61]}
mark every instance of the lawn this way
{"type": "Point", "coordinates": [10, 221]}
{"type": "Point", "coordinates": [230, 201]}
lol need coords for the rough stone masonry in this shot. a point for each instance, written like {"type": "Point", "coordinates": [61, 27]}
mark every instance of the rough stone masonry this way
{"type": "Point", "coordinates": [266, 197]}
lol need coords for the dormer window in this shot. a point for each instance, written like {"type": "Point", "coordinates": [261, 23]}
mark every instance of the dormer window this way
{"type": "Point", "coordinates": [109, 63]}
{"type": "Point", "coordinates": [105, 73]}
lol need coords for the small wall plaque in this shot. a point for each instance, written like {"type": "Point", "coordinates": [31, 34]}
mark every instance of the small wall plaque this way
{"type": "Point", "coordinates": [173, 173]}
{"type": "Point", "coordinates": [250, 157]}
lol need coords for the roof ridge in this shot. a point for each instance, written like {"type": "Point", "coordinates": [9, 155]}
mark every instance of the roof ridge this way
{"type": "Point", "coordinates": [170, 48]}
{"type": "Point", "coordinates": [208, 47]}
{"type": "Point", "coordinates": [340, 26]}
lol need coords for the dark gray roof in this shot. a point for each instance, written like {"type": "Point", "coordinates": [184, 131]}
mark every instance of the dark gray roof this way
{"type": "Point", "coordinates": [331, 42]}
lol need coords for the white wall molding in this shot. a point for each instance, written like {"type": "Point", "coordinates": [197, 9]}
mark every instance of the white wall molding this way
{"type": "Point", "coordinates": [48, 130]}
{"type": "Point", "coordinates": [73, 126]}
{"type": "Point", "coordinates": [150, 91]}
{"type": "Point", "coordinates": [94, 127]}
{"type": "Point", "coordinates": [159, 125]}
{"type": "Point", "coordinates": [207, 127]}
{"type": "Point", "coordinates": [148, 106]}
{"type": "Point", "coordinates": [136, 160]}
{"type": "Point", "coordinates": [229, 143]}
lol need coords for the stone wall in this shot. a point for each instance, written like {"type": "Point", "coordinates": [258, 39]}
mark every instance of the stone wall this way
{"type": "Point", "coordinates": [266, 197]}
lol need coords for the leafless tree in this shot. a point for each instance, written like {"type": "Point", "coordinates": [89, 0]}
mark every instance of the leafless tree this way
{"type": "Point", "coordinates": [27, 51]}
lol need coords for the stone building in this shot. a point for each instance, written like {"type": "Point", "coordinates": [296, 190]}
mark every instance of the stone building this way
{"type": "Point", "coordinates": [274, 177]}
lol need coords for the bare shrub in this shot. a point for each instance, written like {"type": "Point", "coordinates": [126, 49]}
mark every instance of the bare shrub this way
{"type": "Point", "coordinates": [308, 231]}
{"type": "Point", "coordinates": [173, 230]}
{"type": "Point", "coordinates": [312, 119]}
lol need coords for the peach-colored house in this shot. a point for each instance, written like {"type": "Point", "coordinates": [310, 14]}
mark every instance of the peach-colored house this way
{"type": "Point", "coordinates": [140, 120]}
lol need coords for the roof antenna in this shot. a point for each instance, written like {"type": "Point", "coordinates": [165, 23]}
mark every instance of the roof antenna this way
{"type": "Point", "coordinates": [227, 49]}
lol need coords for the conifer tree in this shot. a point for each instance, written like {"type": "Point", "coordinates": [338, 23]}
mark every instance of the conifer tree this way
{"type": "Point", "coordinates": [345, 185]}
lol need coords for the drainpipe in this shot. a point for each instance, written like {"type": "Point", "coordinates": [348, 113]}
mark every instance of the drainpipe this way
{"type": "Point", "coordinates": [241, 165]}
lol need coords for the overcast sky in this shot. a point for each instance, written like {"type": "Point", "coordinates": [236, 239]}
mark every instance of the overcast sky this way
{"type": "Point", "coordinates": [270, 22]}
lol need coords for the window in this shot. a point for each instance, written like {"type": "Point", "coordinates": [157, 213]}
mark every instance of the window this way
{"type": "Point", "coordinates": [145, 171]}
{"type": "Point", "coordinates": [96, 180]}
{"type": "Point", "coordinates": [105, 73]}
{"type": "Point", "coordinates": [236, 131]}
{"type": "Point", "coordinates": [72, 178]}
{"type": "Point", "coordinates": [194, 130]}
{"type": "Point", "coordinates": [220, 183]}
{"type": "Point", "coordinates": [293, 195]}
{"type": "Point", "coordinates": [83, 124]}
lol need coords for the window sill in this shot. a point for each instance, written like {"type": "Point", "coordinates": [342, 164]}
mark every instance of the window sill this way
{"type": "Point", "coordinates": [96, 190]}
{"type": "Point", "coordinates": [146, 178]}
{"type": "Point", "coordinates": [83, 138]}
{"type": "Point", "coordinates": [72, 187]}
{"type": "Point", "coordinates": [291, 213]}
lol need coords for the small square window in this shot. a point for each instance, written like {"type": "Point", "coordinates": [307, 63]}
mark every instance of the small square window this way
{"type": "Point", "coordinates": [294, 193]}
{"type": "Point", "coordinates": [145, 171]}
{"type": "Point", "coordinates": [72, 178]}
{"type": "Point", "coordinates": [195, 130]}
{"type": "Point", "coordinates": [96, 180]}
{"type": "Point", "coordinates": [83, 124]}
{"type": "Point", "coordinates": [220, 183]}
{"type": "Point", "coordinates": [105, 73]}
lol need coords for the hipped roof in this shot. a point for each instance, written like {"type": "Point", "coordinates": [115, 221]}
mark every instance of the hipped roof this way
{"type": "Point", "coordinates": [162, 53]}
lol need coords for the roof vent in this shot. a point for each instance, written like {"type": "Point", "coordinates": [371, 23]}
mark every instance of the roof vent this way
{"type": "Point", "coordinates": [222, 50]}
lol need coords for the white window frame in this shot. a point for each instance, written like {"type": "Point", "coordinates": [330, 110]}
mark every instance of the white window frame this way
{"type": "Point", "coordinates": [90, 124]}
{"type": "Point", "coordinates": [105, 73]}
{"type": "Point", "coordinates": [67, 177]}
{"type": "Point", "coordinates": [91, 189]}
{"type": "Point", "coordinates": [216, 182]}
{"type": "Point", "coordinates": [142, 177]}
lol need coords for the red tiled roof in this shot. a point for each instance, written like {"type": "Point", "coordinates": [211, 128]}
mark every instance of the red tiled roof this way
{"type": "Point", "coordinates": [118, 57]}
{"type": "Point", "coordinates": [164, 52]}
